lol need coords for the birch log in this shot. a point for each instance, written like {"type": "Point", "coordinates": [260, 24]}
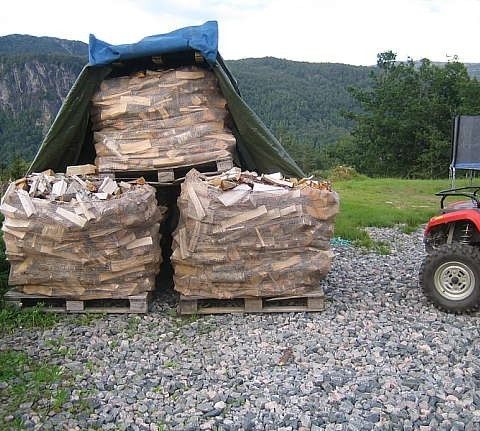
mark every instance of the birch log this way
{"type": "Point", "coordinates": [254, 239]}
{"type": "Point", "coordinates": [160, 119]}
{"type": "Point", "coordinates": [63, 240]}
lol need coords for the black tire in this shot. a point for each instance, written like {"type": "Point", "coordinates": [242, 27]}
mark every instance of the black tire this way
{"type": "Point", "coordinates": [450, 277]}
{"type": "Point", "coordinates": [429, 248]}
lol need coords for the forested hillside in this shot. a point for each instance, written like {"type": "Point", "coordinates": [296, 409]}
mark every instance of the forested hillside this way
{"type": "Point", "coordinates": [301, 102]}
{"type": "Point", "coordinates": [305, 100]}
{"type": "Point", "coordinates": [21, 44]}
{"type": "Point", "coordinates": [35, 76]}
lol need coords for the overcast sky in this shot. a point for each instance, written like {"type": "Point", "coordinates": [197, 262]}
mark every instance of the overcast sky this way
{"type": "Point", "coordinates": [345, 31]}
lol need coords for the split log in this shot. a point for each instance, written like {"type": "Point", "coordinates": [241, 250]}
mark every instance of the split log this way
{"type": "Point", "coordinates": [81, 170]}
{"type": "Point", "coordinates": [266, 236]}
{"type": "Point", "coordinates": [158, 119]}
{"type": "Point", "coordinates": [82, 245]}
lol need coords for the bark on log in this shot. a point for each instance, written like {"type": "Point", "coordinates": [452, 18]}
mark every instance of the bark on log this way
{"type": "Point", "coordinates": [255, 239]}
{"type": "Point", "coordinates": [158, 119]}
{"type": "Point", "coordinates": [77, 245]}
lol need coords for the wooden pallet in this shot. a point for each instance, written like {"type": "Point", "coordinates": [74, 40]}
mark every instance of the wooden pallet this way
{"type": "Point", "coordinates": [171, 175]}
{"type": "Point", "coordinates": [130, 304]}
{"type": "Point", "coordinates": [312, 301]}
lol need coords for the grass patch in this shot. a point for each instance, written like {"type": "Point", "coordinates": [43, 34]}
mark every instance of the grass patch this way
{"type": "Point", "coordinates": [181, 321]}
{"type": "Point", "coordinates": [28, 381]}
{"type": "Point", "coordinates": [59, 399]}
{"type": "Point", "coordinates": [170, 364]}
{"type": "Point", "coordinates": [12, 318]}
{"type": "Point", "coordinates": [11, 363]}
{"type": "Point", "coordinates": [86, 319]}
{"type": "Point", "coordinates": [385, 202]}
{"type": "Point", "coordinates": [58, 348]}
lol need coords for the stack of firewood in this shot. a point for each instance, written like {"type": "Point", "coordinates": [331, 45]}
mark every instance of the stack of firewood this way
{"type": "Point", "coordinates": [241, 234]}
{"type": "Point", "coordinates": [159, 119]}
{"type": "Point", "coordinates": [77, 236]}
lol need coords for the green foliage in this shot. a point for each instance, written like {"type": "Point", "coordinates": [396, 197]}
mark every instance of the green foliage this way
{"type": "Point", "coordinates": [307, 157]}
{"type": "Point", "coordinates": [15, 170]}
{"type": "Point", "coordinates": [86, 319]}
{"type": "Point", "coordinates": [302, 103]}
{"type": "Point", "coordinates": [59, 399]}
{"type": "Point", "coordinates": [405, 127]}
{"type": "Point", "coordinates": [339, 173]}
{"type": "Point", "coordinates": [12, 318]}
{"type": "Point", "coordinates": [170, 364]}
{"type": "Point", "coordinates": [20, 136]}
{"type": "Point", "coordinates": [28, 381]}
{"type": "Point", "coordinates": [11, 364]}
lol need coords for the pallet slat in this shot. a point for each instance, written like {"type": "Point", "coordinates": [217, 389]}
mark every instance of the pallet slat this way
{"type": "Point", "coordinates": [171, 175]}
{"type": "Point", "coordinates": [313, 301]}
{"type": "Point", "coordinates": [136, 303]}
{"type": "Point", "coordinates": [75, 306]}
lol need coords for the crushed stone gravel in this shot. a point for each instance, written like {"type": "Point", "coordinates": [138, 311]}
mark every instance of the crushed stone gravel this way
{"type": "Point", "coordinates": [379, 357]}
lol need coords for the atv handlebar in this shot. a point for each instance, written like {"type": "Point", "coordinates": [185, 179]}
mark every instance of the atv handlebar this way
{"type": "Point", "coordinates": [461, 191]}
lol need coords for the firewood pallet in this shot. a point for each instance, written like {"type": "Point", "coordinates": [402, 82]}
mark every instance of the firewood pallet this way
{"type": "Point", "coordinates": [171, 175]}
{"type": "Point", "coordinates": [130, 304]}
{"type": "Point", "coordinates": [312, 301]}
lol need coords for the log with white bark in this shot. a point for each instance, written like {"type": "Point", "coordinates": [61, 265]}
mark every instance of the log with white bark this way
{"type": "Point", "coordinates": [241, 234]}
{"type": "Point", "coordinates": [160, 119]}
{"type": "Point", "coordinates": [79, 244]}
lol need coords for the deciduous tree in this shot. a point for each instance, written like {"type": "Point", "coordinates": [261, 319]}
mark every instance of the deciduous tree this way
{"type": "Point", "coordinates": [405, 126]}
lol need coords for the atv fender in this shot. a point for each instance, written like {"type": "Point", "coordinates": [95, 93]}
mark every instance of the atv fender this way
{"type": "Point", "coordinates": [472, 216]}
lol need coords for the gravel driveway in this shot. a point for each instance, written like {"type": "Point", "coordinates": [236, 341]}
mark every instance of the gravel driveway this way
{"type": "Point", "coordinates": [379, 357]}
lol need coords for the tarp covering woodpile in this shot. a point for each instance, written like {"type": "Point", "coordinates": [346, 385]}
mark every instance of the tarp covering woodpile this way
{"type": "Point", "coordinates": [83, 238]}
{"type": "Point", "coordinates": [160, 118]}
{"type": "Point", "coordinates": [70, 139]}
{"type": "Point", "coordinates": [241, 234]}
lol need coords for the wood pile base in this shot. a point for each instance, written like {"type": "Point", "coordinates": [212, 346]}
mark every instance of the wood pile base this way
{"type": "Point", "coordinates": [312, 301]}
{"type": "Point", "coordinates": [130, 304]}
{"type": "Point", "coordinates": [171, 175]}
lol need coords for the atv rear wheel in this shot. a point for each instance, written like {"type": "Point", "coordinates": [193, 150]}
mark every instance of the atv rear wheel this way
{"type": "Point", "coordinates": [450, 277]}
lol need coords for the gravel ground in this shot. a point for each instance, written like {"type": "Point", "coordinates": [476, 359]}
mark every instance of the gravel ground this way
{"type": "Point", "coordinates": [379, 357]}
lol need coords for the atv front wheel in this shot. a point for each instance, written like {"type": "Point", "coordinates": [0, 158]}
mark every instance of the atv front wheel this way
{"type": "Point", "coordinates": [450, 277]}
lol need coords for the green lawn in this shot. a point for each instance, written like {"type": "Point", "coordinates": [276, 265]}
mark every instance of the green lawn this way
{"type": "Point", "coordinates": [384, 203]}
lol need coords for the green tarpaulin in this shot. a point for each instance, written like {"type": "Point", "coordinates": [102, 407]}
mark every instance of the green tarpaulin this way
{"type": "Point", "coordinates": [70, 142]}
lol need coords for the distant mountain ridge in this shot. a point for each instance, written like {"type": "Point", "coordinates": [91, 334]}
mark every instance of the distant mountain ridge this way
{"type": "Point", "coordinates": [22, 44]}
{"type": "Point", "coordinates": [305, 100]}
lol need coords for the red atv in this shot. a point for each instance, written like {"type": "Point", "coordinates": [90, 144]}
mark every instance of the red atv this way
{"type": "Point", "coordinates": [450, 273]}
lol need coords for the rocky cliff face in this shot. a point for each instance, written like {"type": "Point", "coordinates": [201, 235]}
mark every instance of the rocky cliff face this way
{"type": "Point", "coordinates": [36, 84]}
{"type": "Point", "coordinates": [32, 89]}
{"type": "Point", "coordinates": [36, 74]}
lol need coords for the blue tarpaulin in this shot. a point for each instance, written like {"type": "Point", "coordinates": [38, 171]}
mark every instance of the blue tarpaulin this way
{"type": "Point", "coordinates": [202, 38]}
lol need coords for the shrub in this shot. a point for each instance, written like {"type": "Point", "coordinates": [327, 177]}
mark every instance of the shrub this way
{"type": "Point", "coordinates": [339, 173]}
